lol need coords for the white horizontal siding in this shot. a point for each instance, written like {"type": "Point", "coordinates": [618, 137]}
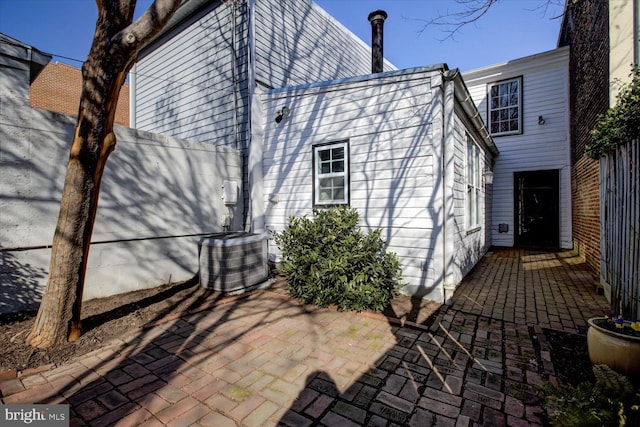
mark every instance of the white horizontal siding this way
{"type": "Point", "coordinates": [469, 246]}
{"type": "Point", "coordinates": [391, 128]}
{"type": "Point", "coordinates": [545, 84]}
{"type": "Point", "coordinates": [297, 42]}
{"type": "Point", "coordinates": [184, 82]}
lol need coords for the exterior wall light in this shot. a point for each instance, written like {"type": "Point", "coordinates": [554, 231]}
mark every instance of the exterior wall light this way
{"type": "Point", "coordinates": [541, 120]}
{"type": "Point", "coordinates": [284, 112]}
{"type": "Point", "coordinates": [488, 176]}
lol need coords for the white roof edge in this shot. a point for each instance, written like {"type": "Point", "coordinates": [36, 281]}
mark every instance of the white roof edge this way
{"type": "Point", "coordinates": [462, 95]}
{"type": "Point", "coordinates": [549, 54]}
{"type": "Point", "coordinates": [21, 51]}
{"type": "Point", "coordinates": [356, 79]}
{"type": "Point", "coordinates": [566, 14]}
{"type": "Point", "coordinates": [31, 53]}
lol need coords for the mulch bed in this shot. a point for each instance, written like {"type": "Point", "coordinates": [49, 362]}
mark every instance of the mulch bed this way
{"type": "Point", "coordinates": [570, 356]}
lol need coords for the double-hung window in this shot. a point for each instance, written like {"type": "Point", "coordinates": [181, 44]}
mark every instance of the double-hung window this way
{"type": "Point", "coordinates": [331, 174]}
{"type": "Point", "coordinates": [505, 107]}
{"type": "Point", "coordinates": [474, 183]}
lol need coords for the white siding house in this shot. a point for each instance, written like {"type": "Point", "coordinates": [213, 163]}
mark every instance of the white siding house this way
{"type": "Point", "coordinates": [401, 140]}
{"type": "Point", "coordinates": [288, 85]}
{"type": "Point", "coordinates": [297, 42]}
{"type": "Point", "coordinates": [198, 78]}
{"type": "Point", "coordinates": [182, 84]}
{"type": "Point", "coordinates": [195, 80]}
{"type": "Point", "coordinates": [525, 105]}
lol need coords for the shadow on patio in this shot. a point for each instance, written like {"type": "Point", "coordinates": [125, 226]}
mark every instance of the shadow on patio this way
{"type": "Point", "coordinates": [477, 361]}
{"type": "Point", "coordinates": [265, 359]}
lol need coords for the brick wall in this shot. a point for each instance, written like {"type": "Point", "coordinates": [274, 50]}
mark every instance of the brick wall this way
{"type": "Point", "coordinates": [586, 210]}
{"type": "Point", "coordinates": [589, 97]}
{"type": "Point", "coordinates": [57, 88]}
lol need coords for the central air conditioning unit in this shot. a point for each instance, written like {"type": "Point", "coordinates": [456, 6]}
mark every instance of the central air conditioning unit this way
{"type": "Point", "coordinates": [233, 262]}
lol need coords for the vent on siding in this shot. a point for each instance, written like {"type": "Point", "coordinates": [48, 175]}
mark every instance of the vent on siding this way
{"type": "Point", "coordinates": [233, 262]}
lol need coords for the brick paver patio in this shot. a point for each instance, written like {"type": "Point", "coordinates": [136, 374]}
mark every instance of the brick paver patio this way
{"type": "Point", "coordinates": [265, 359]}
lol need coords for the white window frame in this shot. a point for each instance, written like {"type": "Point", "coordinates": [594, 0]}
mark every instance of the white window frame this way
{"type": "Point", "coordinates": [504, 107]}
{"type": "Point", "coordinates": [474, 184]}
{"type": "Point", "coordinates": [318, 175]}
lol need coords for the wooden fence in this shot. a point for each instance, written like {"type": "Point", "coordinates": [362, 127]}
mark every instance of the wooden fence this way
{"type": "Point", "coordinates": [620, 228]}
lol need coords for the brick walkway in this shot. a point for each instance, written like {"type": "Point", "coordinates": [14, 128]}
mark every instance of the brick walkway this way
{"type": "Point", "coordinates": [267, 360]}
{"type": "Point", "coordinates": [553, 290]}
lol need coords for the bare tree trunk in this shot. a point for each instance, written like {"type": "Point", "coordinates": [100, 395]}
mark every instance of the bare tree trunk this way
{"type": "Point", "coordinates": [114, 49]}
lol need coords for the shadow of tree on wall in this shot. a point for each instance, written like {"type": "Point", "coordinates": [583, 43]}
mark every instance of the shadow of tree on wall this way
{"type": "Point", "coordinates": [394, 162]}
{"type": "Point", "coordinates": [158, 195]}
{"type": "Point", "coordinates": [291, 57]}
{"type": "Point", "coordinates": [193, 96]}
{"type": "Point", "coordinates": [31, 180]}
{"type": "Point", "coordinates": [20, 288]}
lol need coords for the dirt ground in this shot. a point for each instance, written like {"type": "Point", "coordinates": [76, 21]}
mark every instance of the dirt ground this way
{"type": "Point", "coordinates": [107, 318]}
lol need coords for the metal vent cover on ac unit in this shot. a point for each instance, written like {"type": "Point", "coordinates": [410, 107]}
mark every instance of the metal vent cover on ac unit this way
{"type": "Point", "coordinates": [231, 262]}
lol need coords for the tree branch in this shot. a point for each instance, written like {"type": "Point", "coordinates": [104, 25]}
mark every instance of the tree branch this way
{"type": "Point", "coordinates": [132, 38]}
{"type": "Point", "coordinates": [472, 10]}
{"type": "Point", "coordinates": [453, 22]}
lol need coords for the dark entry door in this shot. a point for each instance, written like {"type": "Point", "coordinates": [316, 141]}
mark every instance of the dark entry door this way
{"type": "Point", "coordinates": [537, 209]}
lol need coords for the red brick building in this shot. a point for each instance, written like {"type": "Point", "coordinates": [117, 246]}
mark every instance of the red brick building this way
{"type": "Point", "coordinates": [586, 29]}
{"type": "Point", "coordinates": [58, 87]}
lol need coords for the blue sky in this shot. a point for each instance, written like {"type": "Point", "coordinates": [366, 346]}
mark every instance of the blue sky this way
{"type": "Point", "coordinates": [511, 29]}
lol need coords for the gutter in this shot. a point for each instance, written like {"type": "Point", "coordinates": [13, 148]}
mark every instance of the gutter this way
{"type": "Point", "coordinates": [464, 98]}
{"type": "Point", "coordinates": [447, 173]}
{"type": "Point", "coordinates": [364, 79]}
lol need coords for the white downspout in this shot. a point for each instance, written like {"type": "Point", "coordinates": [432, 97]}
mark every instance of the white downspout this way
{"type": "Point", "coordinates": [448, 183]}
{"type": "Point", "coordinates": [255, 137]}
{"type": "Point", "coordinates": [234, 73]}
{"type": "Point", "coordinates": [438, 257]}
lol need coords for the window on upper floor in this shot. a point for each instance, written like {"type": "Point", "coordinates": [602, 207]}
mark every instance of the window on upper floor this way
{"type": "Point", "coordinates": [505, 107]}
{"type": "Point", "coordinates": [474, 184]}
{"type": "Point", "coordinates": [331, 174]}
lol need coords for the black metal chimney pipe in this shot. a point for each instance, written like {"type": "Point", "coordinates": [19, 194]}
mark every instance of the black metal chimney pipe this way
{"type": "Point", "coordinates": [377, 25]}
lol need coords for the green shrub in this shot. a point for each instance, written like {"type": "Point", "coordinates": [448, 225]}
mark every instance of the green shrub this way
{"type": "Point", "coordinates": [328, 260]}
{"type": "Point", "coordinates": [621, 123]}
{"type": "Point", "coordinates": [611, 401]}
